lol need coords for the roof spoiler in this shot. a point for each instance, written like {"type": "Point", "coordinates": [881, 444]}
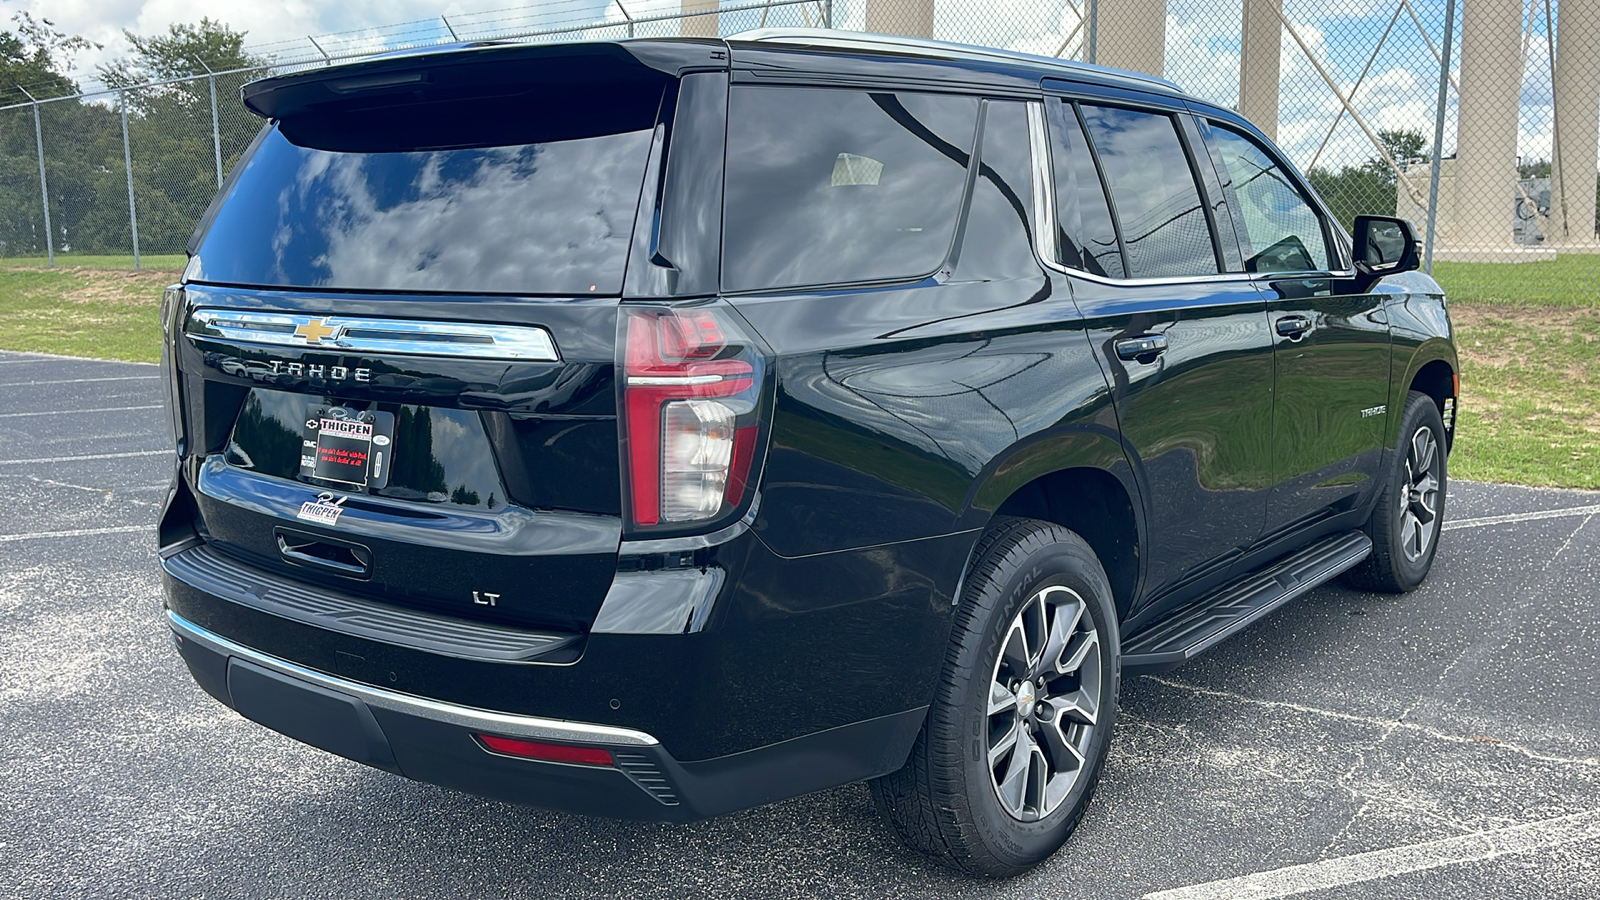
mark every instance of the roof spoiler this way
{"type": "Point", "coordinates": [475, 71]}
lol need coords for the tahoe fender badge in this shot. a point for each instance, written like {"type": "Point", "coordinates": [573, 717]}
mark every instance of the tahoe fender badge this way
{"type": "Point", "coordinates": [1371, 411]}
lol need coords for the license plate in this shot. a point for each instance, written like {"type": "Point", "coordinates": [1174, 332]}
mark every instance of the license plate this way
{"type": "Point", "coordinates": [347, 446]}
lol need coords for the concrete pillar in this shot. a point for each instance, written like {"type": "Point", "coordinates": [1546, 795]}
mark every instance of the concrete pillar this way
{"type": "Point", "coordinates": [1261, 37]}
{"type": "Point", "coordinates": [1486, 123]}
{"type": "Point", "coordinates": [911, 18]}
{"type": "Point", "coordinates": [698, 26]}
{"type": "Point", "coordinates": [1132, 34]}
{"type": "Point", "coordinates": [1577, 111]}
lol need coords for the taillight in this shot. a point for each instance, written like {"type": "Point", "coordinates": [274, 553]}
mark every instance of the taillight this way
{"type": "Point", "coordinates": [171, 307]}
{"type": "Point", "coordinates": [691, 382]}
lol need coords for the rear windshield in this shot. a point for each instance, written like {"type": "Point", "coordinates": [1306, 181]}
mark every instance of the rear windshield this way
{"type": "Point", "coordinates": [534, 213]}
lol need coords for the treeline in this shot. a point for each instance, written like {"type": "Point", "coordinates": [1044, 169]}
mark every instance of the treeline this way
{"type": "Point", "coordinates": [1369, 188]}
{"type": "Point", "coordinates": [170, 137]}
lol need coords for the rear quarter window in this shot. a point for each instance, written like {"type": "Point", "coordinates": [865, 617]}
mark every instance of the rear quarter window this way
{"type": "Point", "coordinates": [829, 186]}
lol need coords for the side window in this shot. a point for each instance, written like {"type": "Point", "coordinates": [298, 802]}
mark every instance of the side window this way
{"type": "Point", "coordinates": [1279, 230]}
{"type": "Point", "coordinates": [1164, 227]}
{"type": "Point", "coordinates": [835, 186]}
{"type": "Point", "coordinates": [997, 241]}
{"type": "Point", "coordinates": [1088, 238]}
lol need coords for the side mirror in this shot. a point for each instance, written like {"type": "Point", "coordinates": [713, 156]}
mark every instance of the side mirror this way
{"type": "Point", "coordinates": [1384, 245]}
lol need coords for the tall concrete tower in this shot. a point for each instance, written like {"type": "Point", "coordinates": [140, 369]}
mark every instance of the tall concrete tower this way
{"type": "Point", "coordinates": [1132, 34]}
{"type": "Point", "coordinates": [912, 18]}
{"type": "Point", "coordinates": [1577, 112]}
{"type": "Point", "coordinates": [1486, 129]}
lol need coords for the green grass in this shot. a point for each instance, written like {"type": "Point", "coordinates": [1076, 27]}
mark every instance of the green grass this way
{"type": "Point", "coordinates": [1530, 404]}
{"type": "Point", "coordinates": [83, 312]}
{"type": "Point", "coordinates": [154, 262]}
{"type": "Point", "coordinates": [1571, 279]}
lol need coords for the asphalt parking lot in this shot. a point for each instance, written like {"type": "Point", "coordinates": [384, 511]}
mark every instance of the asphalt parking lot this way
{"type": "Point", "coordinates": [1440, 744]}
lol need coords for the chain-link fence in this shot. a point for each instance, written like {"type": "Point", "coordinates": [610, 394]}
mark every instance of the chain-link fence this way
{"type": "Point", "coordinates": [1478, 121]}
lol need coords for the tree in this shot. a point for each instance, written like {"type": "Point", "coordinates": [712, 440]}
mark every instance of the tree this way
{"type": "Point", "coordinates": [31, 58]}
{"type": "Point", "coordinates": [170, 126]}
{"type": "Point", "coordinates": [1369, 188]}
{"type": "Point", "coordinates": [78, 140]}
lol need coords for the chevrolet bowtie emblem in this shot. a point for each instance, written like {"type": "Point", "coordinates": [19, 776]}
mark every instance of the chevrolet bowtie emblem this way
{"type": "Point", "coordinates": [315, 330]}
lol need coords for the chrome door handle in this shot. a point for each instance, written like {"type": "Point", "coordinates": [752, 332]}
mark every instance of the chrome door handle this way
{"type": "Point", "coordinates": [1145, 345]}
{"type": "Point", "coordinates": [1293, 326]}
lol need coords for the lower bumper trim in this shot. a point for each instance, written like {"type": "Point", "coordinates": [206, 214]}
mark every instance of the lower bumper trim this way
{"type": "Point", "coordinates": [508, 724]}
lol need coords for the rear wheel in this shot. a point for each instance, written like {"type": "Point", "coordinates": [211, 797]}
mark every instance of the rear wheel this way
{"type": "Point", "coordinates": [1407, 521]}
{"type": "Point", "coordinates": [1018, 729]}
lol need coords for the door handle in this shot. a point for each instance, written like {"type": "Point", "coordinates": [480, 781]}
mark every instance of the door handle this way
{"type": "Point", "coordinates": [1293, 326]}
{"type": "Point", "coordinates": [1145, 345]}
{"type": "Point", "coordinates": [346, 559]}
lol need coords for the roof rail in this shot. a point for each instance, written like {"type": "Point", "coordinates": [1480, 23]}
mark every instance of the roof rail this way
{"type": "Point", "coordinates": [860, 40]}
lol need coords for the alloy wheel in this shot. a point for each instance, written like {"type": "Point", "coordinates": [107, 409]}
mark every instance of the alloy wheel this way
{"type": "Point", "coordinates": [1044, 701]}
{"type": "Point", "coordinates": [1419, 495]}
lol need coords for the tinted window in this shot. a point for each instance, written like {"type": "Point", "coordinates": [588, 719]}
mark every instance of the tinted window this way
{"type": "Point", "coordinates": [540, 217]}
{"type": "Point", "coordinates": [1087, 236]}
{"type": "Point", "coordinates": [998, 239]}
{"type": "Point", "coordinates": [1164, 227]}
{"type": "Point", "coordinates": [833, 186]}
{"type": "Point", "coordinates": [1279, 230]}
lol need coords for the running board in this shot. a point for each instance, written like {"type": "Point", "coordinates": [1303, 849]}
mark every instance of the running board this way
{"type": "Point", "coordinates": [1237, 606]}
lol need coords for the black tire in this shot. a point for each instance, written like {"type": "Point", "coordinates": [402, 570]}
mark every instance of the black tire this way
{"type": "Point", "coordinates": [946, 802]}
{"type": "Point", "coordinates": [1403, 546]}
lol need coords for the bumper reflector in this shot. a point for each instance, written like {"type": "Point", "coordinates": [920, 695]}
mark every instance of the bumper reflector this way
{"type": "Point", "coordinates": [587, 756]}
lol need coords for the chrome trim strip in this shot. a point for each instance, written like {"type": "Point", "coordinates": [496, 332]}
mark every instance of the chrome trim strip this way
{"type": "Point", "coordinates": [357, 334]}
{"type": "Point", "coordinates": [1044, 205]}
{"type": "Point", "coordinates": [508, 724]}
{"type": "Point", "coordinates": [653, 380]}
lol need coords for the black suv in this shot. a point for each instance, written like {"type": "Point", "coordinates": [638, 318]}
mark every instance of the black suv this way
{"type": "Point", "coordinates": [659, 428]}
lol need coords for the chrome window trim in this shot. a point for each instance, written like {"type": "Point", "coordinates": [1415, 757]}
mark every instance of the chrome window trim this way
{"type": "Point", "coordinates": [359, 334]}
{"type": "Point", "coordinates": [509, 724]}
{"type": "Point", "coordinates": [1044, 201]}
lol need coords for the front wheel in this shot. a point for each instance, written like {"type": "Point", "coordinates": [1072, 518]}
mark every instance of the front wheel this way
{"type": "Point", "coordinates": [1409, 517]}
{"type": "Point", "coordinates": [1018, 729]}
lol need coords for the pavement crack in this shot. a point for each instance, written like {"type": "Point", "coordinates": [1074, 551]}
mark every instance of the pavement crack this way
{"type": "Point", "coordinates": [1375, 722]}
{"type": "Point", "coordinates": [1568, 542]}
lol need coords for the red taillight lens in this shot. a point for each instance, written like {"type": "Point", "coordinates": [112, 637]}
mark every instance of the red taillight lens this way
{"type": "Point", "coordinates": [690, 385]}
{"type": "Point", "coordinates": [587, 756]}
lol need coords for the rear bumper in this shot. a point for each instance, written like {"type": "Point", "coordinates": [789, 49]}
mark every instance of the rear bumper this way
{"type": "Point", "coordinates": [433, 741]}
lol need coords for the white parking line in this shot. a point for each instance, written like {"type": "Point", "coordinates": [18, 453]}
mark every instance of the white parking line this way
{"type": "Point", "coordinates": [76, 532]}
{"type": "Point", "coordinates": [1523, 517]}
{"type": "Point", "coordinates": [55, 459]}
{"type": "Point", "coordinates": [1376, 864]}
{"type": "Point", "coordinates": [87, 380]}
{"type": "Point", "coordinates": [63, 412]}
{"type": "Point", "coordinates": [10, 356]}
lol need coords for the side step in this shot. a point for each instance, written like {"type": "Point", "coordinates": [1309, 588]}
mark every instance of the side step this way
{"type": "Point", "coordinates": [1235, 607]}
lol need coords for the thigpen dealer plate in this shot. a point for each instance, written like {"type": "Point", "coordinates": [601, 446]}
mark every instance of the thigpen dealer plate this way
{"type": "Point", "coordinates": [346, 446]}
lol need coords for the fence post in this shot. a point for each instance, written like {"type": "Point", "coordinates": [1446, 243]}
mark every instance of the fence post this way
{"type": "Point", "coordinates": [1094, 32]}
{"type": "Point", "coordinates": [44, 187]}
{"type": "Point", "coordinates": [216, 131]}
{"type": "Point", "coordinates": [827, 13]}
{"type": "Point", "coordinates": [127, 165]}
{"type": "Point", "coordinates": [1438, 136]}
